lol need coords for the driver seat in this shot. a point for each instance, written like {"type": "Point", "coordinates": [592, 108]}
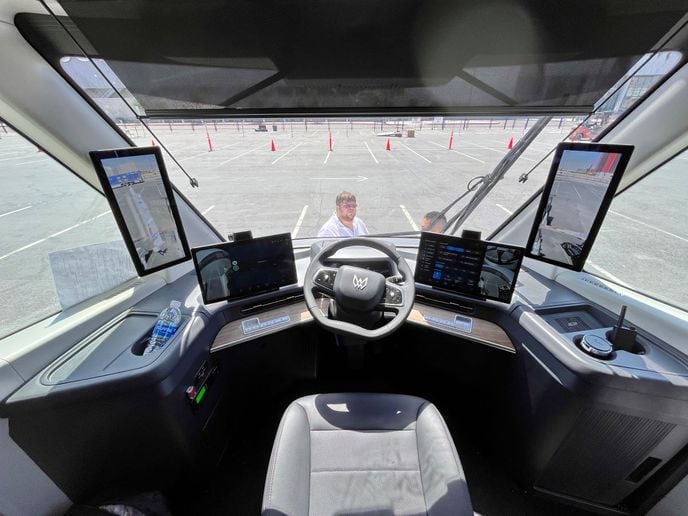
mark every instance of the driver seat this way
{"type": "Point", "coordinates": [364, 454]}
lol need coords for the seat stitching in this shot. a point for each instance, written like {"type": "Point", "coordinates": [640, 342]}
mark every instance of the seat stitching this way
{"type": "Point", "coordinates": [273, 465]}
{"type": "Point", "coordinates": [452, 446]}
{"type": "Point", "coordinates": [420, 467]}
{"type": "Point", "coordinates": [361, 430]}
{"type": "Point", "coordinates": [361, 470]}
{"type": "Point", "coordinates": [308, 422]}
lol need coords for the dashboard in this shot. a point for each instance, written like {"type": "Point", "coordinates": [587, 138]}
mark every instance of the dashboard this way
{"type": "Point", "coordinates": [555, 388]}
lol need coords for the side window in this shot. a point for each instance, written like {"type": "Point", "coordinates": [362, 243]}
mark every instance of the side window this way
{"type": "Point", "coordinates": [643, 242]}
{"type": "Point", "coordinates": [59, 243]}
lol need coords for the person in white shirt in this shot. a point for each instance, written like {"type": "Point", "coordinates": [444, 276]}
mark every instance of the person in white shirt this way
{"type": "Point", "coordinates": [344, 222]}
{"type": "Point", "coordinates": [433, 221]}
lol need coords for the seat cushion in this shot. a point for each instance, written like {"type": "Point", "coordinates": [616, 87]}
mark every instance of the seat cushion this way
{"type": "Point", "coordinates": [372, 454]}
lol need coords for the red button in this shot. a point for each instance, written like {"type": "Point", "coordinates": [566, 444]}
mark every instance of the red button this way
{"type": "Point", "coordinates": [191, 392]}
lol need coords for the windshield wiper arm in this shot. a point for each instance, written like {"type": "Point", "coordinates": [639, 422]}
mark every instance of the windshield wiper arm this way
{"type": "Point", "coordinates": [491, 180]}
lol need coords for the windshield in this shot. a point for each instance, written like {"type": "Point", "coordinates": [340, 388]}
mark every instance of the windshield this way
{"type": "Point", "coordinates": [357, 175]}
{"type": "Point", "coordinates": [348, 177]}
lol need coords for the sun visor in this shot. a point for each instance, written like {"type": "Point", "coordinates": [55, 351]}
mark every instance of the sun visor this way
{"type": "Point", "coordinates": [364, 56]}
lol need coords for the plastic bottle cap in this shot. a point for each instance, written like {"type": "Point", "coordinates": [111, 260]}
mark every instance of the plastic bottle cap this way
{"type": "Point", "coordinates": [175, 304]}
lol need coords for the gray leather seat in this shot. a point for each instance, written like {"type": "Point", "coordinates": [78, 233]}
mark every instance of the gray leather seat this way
{"type": "Point", "coordinates": [364, 454]}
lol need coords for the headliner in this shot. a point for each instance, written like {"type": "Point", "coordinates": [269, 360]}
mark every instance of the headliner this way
{"type": "Point", "coordinates": [363, 56]}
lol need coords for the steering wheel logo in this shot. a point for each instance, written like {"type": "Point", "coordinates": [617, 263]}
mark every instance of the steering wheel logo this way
{"type": "Point", "coordinates": [360, 283]}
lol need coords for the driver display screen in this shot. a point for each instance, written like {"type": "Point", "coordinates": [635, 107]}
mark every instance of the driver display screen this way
{"type": "Point", "coordinates": [237, 269]}
{"type": "Point", "coordinates": [469, 267]}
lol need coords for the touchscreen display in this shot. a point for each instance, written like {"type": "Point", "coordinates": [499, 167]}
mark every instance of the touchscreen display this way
{"type": "Point", "coordinates": [135, 183]}
{"type": "Point", "coordinates": [468, 267]}
{"type": "Point", "coordinates": [237, 269]}
{"type": "Point", "coordinates": [579, 190]}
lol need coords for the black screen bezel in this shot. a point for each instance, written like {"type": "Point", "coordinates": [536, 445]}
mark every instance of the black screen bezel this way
{"type": "Point", "coordinates": [241, 243]}
{"type": "Point", "coordinates": [625, 151]}
{"type": "Point", "coordinates": [459, 240]}
{"type": "Point", "coordinates": [97, 158]}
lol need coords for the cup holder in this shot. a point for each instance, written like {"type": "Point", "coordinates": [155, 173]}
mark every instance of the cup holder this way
{"type": "Point", "coordinates": [626, 341]}
{"type": "Point", "coordinates": [140, 346]}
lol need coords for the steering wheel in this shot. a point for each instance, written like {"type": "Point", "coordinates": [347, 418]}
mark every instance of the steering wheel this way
{"type": "Point", "coordinates": [359, 291]}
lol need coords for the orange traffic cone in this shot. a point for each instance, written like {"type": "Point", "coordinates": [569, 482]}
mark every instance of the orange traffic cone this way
{"type": "Point", "coordinates": [272, 145]}
{"type": "Point", "coordinates": [330, 142]}
{"type": "Point", "coordinates": [510, 145]}
{"type": "Point", "coordinates": [153, 143]}
{"type": "Point", "coordinates": [451, 139]}
{"type": "Point", "coordinates": [388, 146]}
{"type": "Point", "coordinates": [210, 143]}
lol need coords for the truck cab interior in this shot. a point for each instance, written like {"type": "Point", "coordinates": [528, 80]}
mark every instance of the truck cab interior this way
{"type": "Point", "coordinates": [525, 355]}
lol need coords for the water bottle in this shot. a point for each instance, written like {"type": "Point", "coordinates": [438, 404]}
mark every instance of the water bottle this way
{"type": "Point", "coordinates": [165, 327]}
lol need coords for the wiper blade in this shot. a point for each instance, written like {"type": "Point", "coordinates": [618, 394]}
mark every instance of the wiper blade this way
{"type": "Point", "coordinates": [491, 180]}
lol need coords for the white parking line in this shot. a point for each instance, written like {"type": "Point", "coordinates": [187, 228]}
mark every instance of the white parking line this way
{"type": "Point", "coordinates": [327, 157]}
{"type": "Point", "coordinates": [371, 152]}
{"type": "Point", "coordinates": [409, 148]}
{"type": "Point", "coordinates": [502, 207]}
{"type": "Point", "coordinates": [15, 211]}
{"type": "Point", "coordinates": [30, 162]}
{"type": "Point", "coordinates": [294, 147]}
{"type": "Point", "coordinates": [408, 216]}
{"type": "Point", "coordinates": [459, 153]}
{"type": "Point", "coordinates": [499, 151]}
{"type": "Point", "coordinates": [595, 193]}
{"type": "Point", "coordinates": [483, 146]}
{"type": "Point", "coordinates": [295, 231]}
{"type": "Point", "coordinates": [53, 235]}
{"type": "Point", "coordinates": [648, 225]}
{"type": "Point", "coordinates": [608, 274]}
{"type": "Point", "coordinates": [239, 155]}
{"type": "Point", "coordinates": [21, 156]}
{"type": "Point", "coordinates": [577, 192]}
{"type": "Point", "coordinates": [194, 156]}
{"type": "Point", "coordinates": [207, 209]}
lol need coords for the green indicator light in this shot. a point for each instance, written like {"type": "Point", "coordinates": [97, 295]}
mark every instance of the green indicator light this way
{"type": "Point", "coordinates": [200, 395]}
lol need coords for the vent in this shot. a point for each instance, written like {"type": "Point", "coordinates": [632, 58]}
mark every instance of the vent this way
{"type": "Point", "coordinates": [641, 471]}
{"type": "Point", "coordinates": [273, 303]}
{"type": "Point", "coordinates": [600, 453]}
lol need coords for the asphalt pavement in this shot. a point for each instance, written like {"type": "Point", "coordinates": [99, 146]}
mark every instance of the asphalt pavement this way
{"type": "Point", "coordinates": [245, 184]}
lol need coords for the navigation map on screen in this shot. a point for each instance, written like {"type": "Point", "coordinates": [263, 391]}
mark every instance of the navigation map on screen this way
{"type": "Point", "coordinates": [469, 267]}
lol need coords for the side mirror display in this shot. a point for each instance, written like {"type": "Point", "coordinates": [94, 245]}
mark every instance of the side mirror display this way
{"type": "Point", "coordinates": [579, 190]}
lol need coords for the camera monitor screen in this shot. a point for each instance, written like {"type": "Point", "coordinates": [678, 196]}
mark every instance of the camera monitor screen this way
{"type": "Point", "coordinates": [579, 190]}
{"type": "Point", "coordinates": [135, 183]}
{"type": "Point", "coordinates": [469, 267]}
{"type": "Point", "coordinates": [237, 269]}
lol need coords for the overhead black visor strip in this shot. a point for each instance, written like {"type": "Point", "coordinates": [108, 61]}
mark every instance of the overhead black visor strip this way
{"type": "Point", "coordinates": [612, 31]}
{"type": "Point", "coordinates": [371, 112]}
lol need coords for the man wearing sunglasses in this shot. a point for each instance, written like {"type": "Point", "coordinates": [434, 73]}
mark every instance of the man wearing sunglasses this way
{"type": "Point", "coordinates": [344, 222]}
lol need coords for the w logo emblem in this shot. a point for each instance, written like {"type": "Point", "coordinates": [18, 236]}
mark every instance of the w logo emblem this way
{"type": "Point", "coordinates": [360, 283]}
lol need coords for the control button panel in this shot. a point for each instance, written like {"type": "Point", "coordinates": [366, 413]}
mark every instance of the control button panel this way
{"type": "Point", "coordinates": [459, 322]}
{"type": "Point", "coordinates": [325, 278]}
{"type": "Point", "coordinates": [393, 296]}
{"type": "Point", "coordinates": [254, 324]}
{"type": "Point", "coordinates": [202, 382]}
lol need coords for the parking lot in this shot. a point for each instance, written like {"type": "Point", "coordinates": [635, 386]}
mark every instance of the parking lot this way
{"type": "Point", "coordinates": [244, 184]}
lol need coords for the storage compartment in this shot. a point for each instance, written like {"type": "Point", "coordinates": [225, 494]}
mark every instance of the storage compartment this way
{"type": "Point", "coordinates": [577, 319]}
{"type": "Point", "coordinates": [117, 349]}
{"type": "Point", "coordinates": [634, 351]}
